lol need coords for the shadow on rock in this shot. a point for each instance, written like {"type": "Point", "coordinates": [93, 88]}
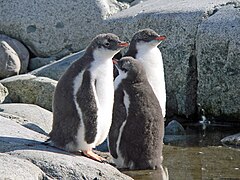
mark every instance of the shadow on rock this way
{"type": "Point", "coordinates": [9, 144]}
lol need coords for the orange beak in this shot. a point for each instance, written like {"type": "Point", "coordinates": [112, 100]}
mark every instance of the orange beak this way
{"type": "Point", "coordinates": [123, 44]}
{"type": "Point", "coordinates": [161, 38]}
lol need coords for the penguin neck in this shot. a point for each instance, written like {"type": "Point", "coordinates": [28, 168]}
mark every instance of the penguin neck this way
{"type": "Point", "coordinates": [128, 81]}
{"type": "Point", "coordinates": [132, 51]}
{"type": "Point", "coordinates": [151, 58]}
{"type": "Point", "coordinates": [102, 76]}
{"type": "Point", "coordinates": [102, 64]}
{"type": "Point", "coordinates": [148, 53]}
{"type": "Point", "coordinates": [134, 79]}
{"type": "Point", "coordinates": [102, 54]}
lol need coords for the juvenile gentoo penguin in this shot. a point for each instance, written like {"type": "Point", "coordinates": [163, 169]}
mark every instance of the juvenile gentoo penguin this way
{"type": "Point", "coordinates": [83, 98]}
{"type": "Point", "coordinates": [136, 134]}
{"type": "Point", "coordinates": [143, 47]}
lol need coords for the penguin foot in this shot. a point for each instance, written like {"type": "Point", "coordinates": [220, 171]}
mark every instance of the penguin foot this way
{"type": "Point", "coordinates": [94, 156]}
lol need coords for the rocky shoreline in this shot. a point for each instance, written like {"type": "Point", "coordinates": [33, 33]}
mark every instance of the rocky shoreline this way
{"type": "Point", "coordinates": [200, 53]}
{"type": "Point", "coordinates": [23, 130]}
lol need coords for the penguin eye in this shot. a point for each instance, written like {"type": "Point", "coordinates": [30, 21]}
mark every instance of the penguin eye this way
{"type": "Point", "coordinates": [107, 44]}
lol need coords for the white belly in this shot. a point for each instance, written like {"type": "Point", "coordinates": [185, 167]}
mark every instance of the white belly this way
{"type": "Point", "coordinates": [104, 93]}
{"type": "Point", "coordinates": [153, 65]}
{"type": "Point", "coordinates": [102, 83]}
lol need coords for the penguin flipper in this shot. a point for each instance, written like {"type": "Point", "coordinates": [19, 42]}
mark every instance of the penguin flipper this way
{"type": "Point", "coordinates": [119, 116]}
{"type": "Point", "coordinates": [88, 105]}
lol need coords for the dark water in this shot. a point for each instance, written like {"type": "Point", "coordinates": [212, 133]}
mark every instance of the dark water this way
{"type": "Point", "coordinates": [197, 155]}
{"type": "Point", "coordinates": [196, 163]}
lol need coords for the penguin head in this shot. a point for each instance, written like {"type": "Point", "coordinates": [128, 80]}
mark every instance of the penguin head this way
{"type": "Point", "coordinates": [131, 68]}
{"type": "Point", "coordinates": [107, 43]}
{"type": "Point", "coordinates": [148, 38]}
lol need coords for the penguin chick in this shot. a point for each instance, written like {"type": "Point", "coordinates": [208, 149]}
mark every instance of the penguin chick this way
{"type": "Point", "coordinates": [143, 47]}
{"type": "Point", "coordinates": [83, 98]}
{"type": "Point", "coordinates": [136, 134]}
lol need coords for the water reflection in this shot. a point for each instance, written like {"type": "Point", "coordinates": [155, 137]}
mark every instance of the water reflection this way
{"type": "Point", "coordinates": [196, 136]}
{"type": "Point", "coordinates": [202, 162]}
{"type": "Point", "coordinates": [195, 163]}
{"type": "Point", "coordinates": [197, 155]}
{"type": "Point", "coordinates": [159, 174]}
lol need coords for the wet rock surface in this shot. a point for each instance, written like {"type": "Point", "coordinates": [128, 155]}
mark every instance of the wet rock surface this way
{"type": "Point", "coordinates": [233, 140]}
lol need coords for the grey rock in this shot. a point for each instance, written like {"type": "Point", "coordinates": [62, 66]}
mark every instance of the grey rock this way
{"type": "Point", "coordinates": [9, 61]}
{"type": "Point", "coordinates": [233, 140]}
{"type": "Point", "coordinates": [3, 93]}
{"type": "Point", "coordinates": [179, 21]}
{"type": "Point", "coordinates": [135, 2]}
{"type": "Point", "coordinates": [23, 143]}
{"type": "Point", "coordinates": [174, 128]}
{"type": "Point", "coordinates": [175, 134]}
{"type": "Point", "coordinates": [28, 115]}
{"type": "Point", "coordinates": [191, 28]}
{"type": "Point", "coordinates": [66, 166]}
{"type": "Point", "coordinates": [126, 1]}
{"type": "Point", "coordinates": [24, 122]}
{"type": "Point", "coordinates": [30, 89]}
{"type": "Point", "coordinates": [56, 69]}
{"type": "Point", "coordinates": [55, 27]}
{"type": "Point", "coordinates": [37, 62]}
{"type": "Point", "coordinates": [129, 1]}
{"type": "Point", "coordinates": [13, 136]}
{"type": "Point", "coordinates": [16, 168]}
{"type": "Point", "coordinates": [20, 49]}
{"type": "Point", "coordinates": [218, 53]}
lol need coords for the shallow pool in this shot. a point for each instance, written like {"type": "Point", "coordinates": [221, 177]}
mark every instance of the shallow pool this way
{"type": "Point", "coordinates": [196, 163]}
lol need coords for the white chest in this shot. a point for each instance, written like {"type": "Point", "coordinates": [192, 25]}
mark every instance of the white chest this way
{"type": "Point", "coordinates": [102, 82]}
{"type": "Point", "coordinates": [152, 62]}
{"type": "Point", "coordinates": [119, 79]}
{"type": "Point", "coordinates": [153, 65]}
